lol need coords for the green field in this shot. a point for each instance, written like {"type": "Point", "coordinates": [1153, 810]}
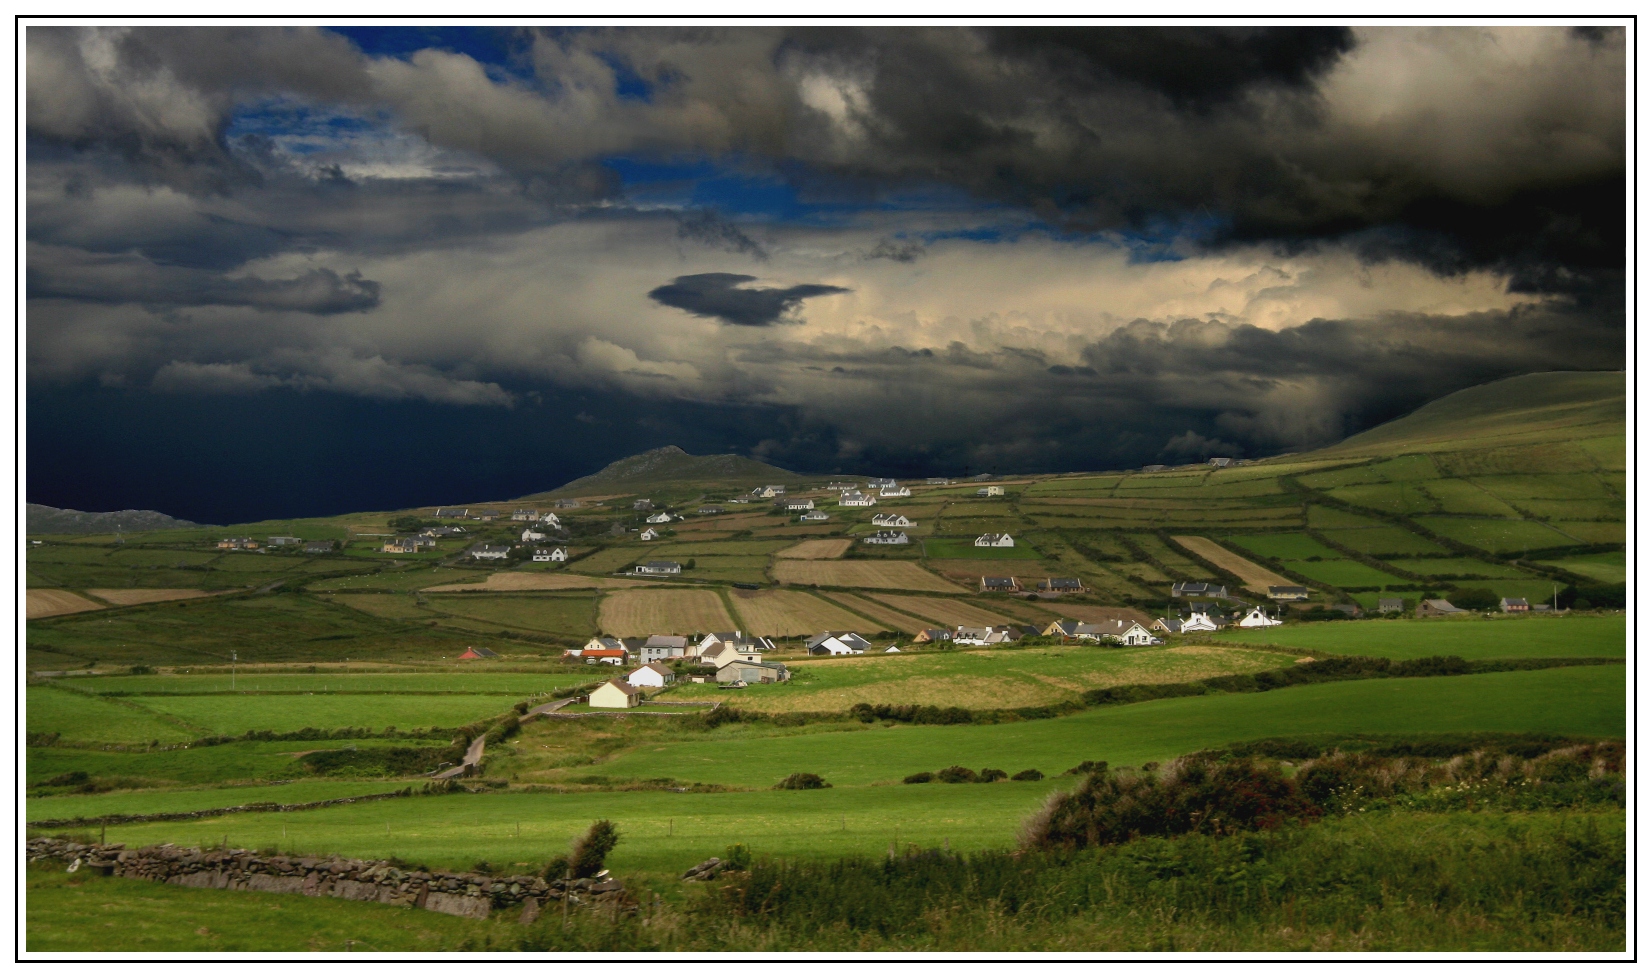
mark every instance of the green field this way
{"type": "Point", "coordinates": [239, 714]}
{"type": "Point", "coordinates": [240, 761]}
{"type": "Point", "coordinates": [1606, 568]}
{"type": "Point", "coordinates": [151, 801]}
{"type": "Point", "coordinates": [1498, 536]}
{"type": "Point", "coordinates": [513, 683]}
{"type": "Point", "coordinates": [87, 719]}
{"type": "Point", "coordinates": [1502, 638]}
{"type": "Point", "coordinates": [1445, 568]}
{"type": "Point", "coordinates": [1342, 572]}
{"type": "Point", "coordinates": [1283, 546]}
{"type": "Point", "coordinates": [1385, 541]}
{"type": "Point", "coordinates": [563, 616]}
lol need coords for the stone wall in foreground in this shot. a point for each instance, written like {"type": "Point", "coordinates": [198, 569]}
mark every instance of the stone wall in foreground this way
{"type": "Point", "coordinates": [461, 894]}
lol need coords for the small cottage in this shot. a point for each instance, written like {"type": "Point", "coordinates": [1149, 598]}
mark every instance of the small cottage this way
{"type": "Point", "coordinates": [653, 674]}
{"type": "Point", "coordinates": [615, 694]}
{"type": "Point", "coordinates": [995, 540]}
{"type": "Point", "coordinates": [476, 653]}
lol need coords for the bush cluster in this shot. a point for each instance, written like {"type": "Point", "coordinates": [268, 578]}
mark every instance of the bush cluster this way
{"type": "Point", "coordinates": [910, 713]}
{"type": "Point", "coordinates": [958, 774]}
{"type": "Point", "coordinates": [802, 781]}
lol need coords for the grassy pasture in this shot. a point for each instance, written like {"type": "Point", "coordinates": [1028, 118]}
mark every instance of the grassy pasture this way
{"type": "Point", "coordinates": [1458, 496]}
{"type": "Point", "coordinates": [149, 801]}
{"type": "Point", "coordinates": [1385, 541]}
{"type": "Point", "coordinates": [241, 761]}
{"type": "Point", "coordinates": [739, 570]}
{"type": "Point", "coordinates": [1498, 536]}
{"type": "Point", "coordinates": [610, 559]}
{"type": "Point", "coordinates": [1285, 546]}
{"type": "Point", "coordinates": [1606, 568]}
{"type": "Point", "coordinates": [542, 581]}
{"type": "Point", "coordinates": [1342, 573]}
{"type": "Point", "coordinates": [985, 678]}
{"type": "Point", "coordinates": [1584, 700]}
{"type": "Point", "coordinates": [1331, 518]}
{"type": "Point", "coordinates": [1444, 568]}
{"type": "Point", "coordinates": [884, 575]}
{"type": "Point", "coordinates": [790, 613]}
{"type": "Point", "coordinates": [1578, 485]}
{"type": "Point", "coordinates": [945, 612]}
{"type": "Point", "coordinates": [124, 597]}
{"type": "Point", "coordinates": [393, 606]}
{"type": "Point", "coordinates": [1576, 509]}
{"type": "Point", "coordinates": [1470, 638]}
{"type": "Point", "coordinates": [232, 714]}
{"type": "Point", "coordinates": [1595, 532]}
{"type": "Point", "coordinates": [719, 548]}
{"type": "Point", "coordinates": [1390, 497]}
{"type": "Point", "coordinates": [565, 617]}
{"type": "Point", "coordinates": [86, 719]}
{"type": "Point", "coordinates": [410, 579]}
{"type": "Point", "coordinates": [1178, 565]}
{"type": "Point", "coordinates": [666, 611]}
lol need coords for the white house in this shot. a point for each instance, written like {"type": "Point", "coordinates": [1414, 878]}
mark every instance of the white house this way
{"type": "Point", "coordinates": [891, 519]}
{"type": "Point", "coordinates": [990, 491]}
{"type": "Point", "coordinates": [486, 552]}
{"type": "Point", "coordinates": [727, 653]}
{"type": "Point", "coordinates": [649, 534]}
{"type": "Point", "coordinates": [660, 567]}
{"type": "Point", "coordinates": [881, 484]}
{"type": "Point", "coordinates": [1258, 619]}
{"type": "Point", "coordinates": [768, 492]}
{"type": "Point", "coordinates": [892, 648]}
{"type": "Point", "coordinates": [652, 674]}
{"type": "Point", "coordinates": [615, 694]}
{"type": "Point", "coordinates": [856, 499]}
{"type": "Point", "coordinates": [712, 638]}
{"type": "Point", "coordinates": [895, 537]}
{"type": "Point", "coordinates": [800, 505]}
{"type": "Point", "coordinates": [525, 515]}
{"type": "Point", "coordinates": [1198, 621]}
{"type": "Point", "coordinates": [659, 518]}
{"type": "Point", "coordinates": [826, 643]}
{"type": "Point", "coordinates": [550, 518]}
{"type": "Point", "coordinates": [1120, 631]}
{"type": "Point", "coordinates": [887, 491]}
{"type": "Point", "coordinates": [814, 517]}
{"type": "Point", "coordinates": [532, 535]}
{"type": "Point", "coordinates": [995, 540]}
{"type": "Point", "coordinates": [985, 635]}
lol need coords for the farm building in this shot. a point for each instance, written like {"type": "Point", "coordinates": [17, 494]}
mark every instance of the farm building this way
{"type": "Point", "coordinates": [999, 584]}
{"type": "Point", "coordinates": [990, 491]}
{"type": "Point", "coordinates": [566, 504]}
{"type": "Point", "coordinates": [659, 647]}
{"type": "Point", "coordinates": [895, 537]}
{"type": "Point", "coordinates": [284, 541]}
{"type": "Point", "coordinates": [995, 540]}
{"type": "Point", "coordinates": [753, 672]}
{"type": "Point", "coordinates": [894, 491]}
{"type": "Point", "coordinates": [442, 531]}
{"type": "Point", "coordinates": [1351, 610]}
{"type": "Point", "coordinates": [1199, 589]}
{"type": "Point", "coordinates": [615, 694]}
{"type": "Point", "coordinates": [1435, 607]}
{"type": "Point", "coordinates": [855, 499]}
{"type": "Point", "coordinates": [815, 517]}
{"type": "Point", "coordinates": [1062, 584]}
{"type": "Point", "coordinates": [710, 510]}
{"type": "Point", "coordinates": [652, 674]}
{"type": "Point", "coordinates": [525, 515]}
{"type": "Point", "coordinates": [649, 534]}
{"type": "Point", "coordinates": [1287, 592]}
{"type": "Point", "coordinates": [932, 635]}
{"type": "Point", "coordinates": [1117, 630]}
{"type": "Point", "coordinates": [891, 519]}
{"type": "Point", "coordinates": [1514, 604]}
{"type": "Point", "coordinates": [476, 653]}
{"type": "Point", "coordinates": [531, 535]}
{"type": "Point", "coordinates": [660, 567]}
{"type": "Point", "coordinates": [1257, 618]}
{"type": "Point", "coordinates": [1390, 606]}
{"type": "Point", "coordinates": [451, 512]}
{"type": "Point", "coordinates": [320, 547]}
{"type": "Point", "coordinates": [800, 505]}
{"type": "Point", "coordinates": [643, 504]}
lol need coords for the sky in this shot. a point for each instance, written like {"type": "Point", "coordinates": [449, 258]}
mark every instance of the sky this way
{"type": "Point", "coordinates": [281, 271]}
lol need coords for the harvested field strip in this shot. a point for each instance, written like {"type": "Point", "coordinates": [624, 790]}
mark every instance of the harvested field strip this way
{"type": "Point", "coordinates": [1253, 574]}
{"type": "Point", "coordinates": [795, 613]}
{"type": "Point", "coordinates": [816, 550]}
{"type": "Point", "coordinates": [46, 602]}
{"type": "Point", "coordinates": [887, 575]}
{"type": "Point", "coordinates": [527, 581]}
{"type": "Point", "coordinates": [946, 612]}
{"type": "Point", "coordinates": [666, 611]}
{"type": "Point", "coordinates": [147, 595]}
{"type": "Point", "coordinates": [883, 613]}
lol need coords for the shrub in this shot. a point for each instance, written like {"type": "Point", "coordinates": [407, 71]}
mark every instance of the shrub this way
{"type": "Point", "coordinates": [990, 774]}
{"type": "Point", "coordinates": [736, 858]}
{"type": "Point", "coordinates": [1030, 774]}
{"type": "Point", "coordinates": [801, 781]}
{"type": "Point", "coordinates": [1087, 767]}
{"type": "Point", "coordinates": [1473, 598]}
{"type": "Point", "coordinates": [922, 777]}
{"type": "Point", "coordinates": [592, 851]}
{"type": "Point", "coordinates": [955, 774]}
{"type": "Point", "coordinates": [142, 670]}
{"type": "Point", "coordinates": [556, 869]}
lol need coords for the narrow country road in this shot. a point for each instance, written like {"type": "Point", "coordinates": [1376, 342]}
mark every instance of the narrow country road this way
{"type": "Point", "coordinates": [473, 754]}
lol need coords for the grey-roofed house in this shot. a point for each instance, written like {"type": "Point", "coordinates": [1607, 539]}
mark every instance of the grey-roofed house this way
{"type": "Point", "coordinates": [320, 546]}
{"type": "Point", "coordinates": [816, 516]}
{"type": "Point", "coordinates": [1063, 584]}
{"type": "Point", "coordinates": [284, 541]}
{"type": "Point", "coordinates": [1199, 589]}
{"type": "Point", "coordinates": [895, 537]}
{"type": "Point", "coordinates": [451, 512]}
{"type": "Point", "coordinates": [658, 647]}
{"type": "Point", "coordinates": [753, 672]}
{"type": "Point", "coordinates": [1287, 592]}
{"type": "Point", "coordinates": [656, 567]}
{"type": "Point", "coordinates": [525, 515]}
{"type": "Point", "coordinates": [1390, 606]}
{"type": "Point", "coordinates": [710, 510]}
{"type": "Point", "coordinates": [999, 584]}
{"type": "Point", "coordinates": [1436, 607]}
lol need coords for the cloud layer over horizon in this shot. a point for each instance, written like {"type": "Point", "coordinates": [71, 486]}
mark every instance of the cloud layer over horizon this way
{"type": "Point", "coordinates": [837, 248]}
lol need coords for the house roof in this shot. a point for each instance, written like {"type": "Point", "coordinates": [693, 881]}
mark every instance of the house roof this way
{"type": "Point", "coordinates": [620, 685]}
{"type": "Point", "coordinates": [482, 653]}
{"type": "Point", "coordinates": [655, 667]}
{"type": "Point", "coordinates": [666, 641]}
{"type": "Point", "coordinates": [997, 582]}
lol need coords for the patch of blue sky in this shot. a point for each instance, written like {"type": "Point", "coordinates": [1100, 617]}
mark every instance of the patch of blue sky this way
{"type": "Point", "coordinates": [497, 48]}
{"type": "Point", "coordinates": [363, 145]}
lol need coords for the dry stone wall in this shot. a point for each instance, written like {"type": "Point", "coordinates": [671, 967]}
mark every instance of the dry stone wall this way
{"type": "Point", "coordinates": [462, 894]}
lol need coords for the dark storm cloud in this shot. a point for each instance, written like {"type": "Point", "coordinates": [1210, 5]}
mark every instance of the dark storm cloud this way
{"type": "Point", "coordinates": [901, 251]}
{"type": "Point", "coordinates": [717, 295]}
{"type": "Point", "coordinates": [705, 227]}
{"type": "Point", "coordinates": [61, 274]}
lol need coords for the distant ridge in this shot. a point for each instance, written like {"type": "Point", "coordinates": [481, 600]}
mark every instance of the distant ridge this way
{"type": "Point", "coordinates": [50, 519]}
{"type": "Point", "coordinates": [671, 464]}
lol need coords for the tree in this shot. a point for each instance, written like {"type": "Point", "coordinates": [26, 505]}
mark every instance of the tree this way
{"type": "Point", "coordinates": [1473, 599]}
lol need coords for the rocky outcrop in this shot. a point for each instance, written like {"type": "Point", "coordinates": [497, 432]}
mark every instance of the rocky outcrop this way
{"type": "Point", "coordinates": [705, 871]}
{"type": "Point", "coordinates": [461, 894]}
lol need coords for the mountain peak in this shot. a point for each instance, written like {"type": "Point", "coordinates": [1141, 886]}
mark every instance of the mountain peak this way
{"type": "Point", "coordinates": [670, 463]}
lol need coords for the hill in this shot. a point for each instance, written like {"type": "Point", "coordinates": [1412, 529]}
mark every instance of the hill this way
{"type": "Point", "coordinates": [50, 519]}
{"type": "Point", "coordinates": [1546, 407]}
{"type": "Point", "coordinates": [670, 464]}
